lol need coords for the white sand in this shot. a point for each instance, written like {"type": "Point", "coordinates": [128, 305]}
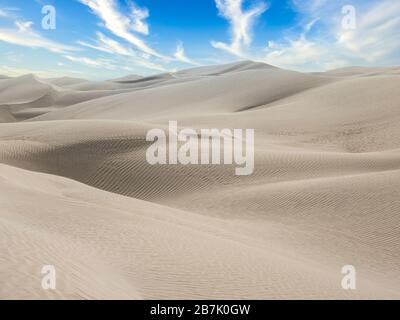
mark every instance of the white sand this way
{"type": "Point", "coordinates": [324, 193]}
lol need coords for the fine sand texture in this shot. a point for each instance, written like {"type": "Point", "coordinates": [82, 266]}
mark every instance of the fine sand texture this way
{"type": "Point", "coordinates": [77, 193]}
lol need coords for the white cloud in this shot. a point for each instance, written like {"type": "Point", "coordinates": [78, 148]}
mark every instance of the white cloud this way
{"type": "Point", "coordinates": [240, 24]}
{"type": "Point", "coordinates": [139, 15]}
{"type": "Point", "coordinates": [3, 13]}
{"type": "Point", "coordinates": [374, 41]}
{"type": "Point", "coordinates": [310, 6]}
{"type": "Point", "coordinates": [181, 56]}
{"type": "Point", "coordinates": [377, 33]}
{"type": "Point", "coordinates": [303, 55]}
{"type": "Point", "coordinates": [8, 12]}
{"type": "Point", "coordinates": [296, 53]}
{"type": "Point", "coordinates": [107, 45]}
{"type": "Point", "coordinates": [23, 35]}
{"type": "Point", "coordinates": [91, 62]}
{"type": "Point", "coordinates": [119, 24]}
{"type": "Point", "coordinates": [24, 26]}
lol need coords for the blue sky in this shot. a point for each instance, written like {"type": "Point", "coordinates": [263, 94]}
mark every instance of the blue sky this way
{"type": "Point", "coordinates": [102, 39]}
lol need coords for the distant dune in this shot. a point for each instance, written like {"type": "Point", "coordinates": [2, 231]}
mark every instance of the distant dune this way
{"type": "Point", "coordinates": [77, 192]}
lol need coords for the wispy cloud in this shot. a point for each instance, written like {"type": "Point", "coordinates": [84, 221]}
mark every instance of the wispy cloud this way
{"type": "Point", "coordinates": [139, 15]}
{"type": "Point", "coordinates": [91, 62]}
{"type": "Point", "coordinates": [297, 53]}
{"type": "Point", "coordinates": [24, 35]}
{"type": "Point", "coordinates": [181, 56]}
{"type": "Point", "coordinates": [300, 54]}
{"type": "Point", "coordinates": [121, 25]}
{"type": "Point", "coordinates": [8, 12]}
{"type": "Point", "coordinates": [374, 41]}
{"type": "Point", "coordinates": [240, 21]}
{"type": "Point", "coordinates": [377, 33]}
{"type": "Point", "coordinates": [311, 6]}
{"type": "Point", "coordinates": [3, 13]}
{"type": "Point", "coordinates": [108, 45]}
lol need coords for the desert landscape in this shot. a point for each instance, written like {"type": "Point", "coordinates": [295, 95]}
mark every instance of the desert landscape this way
{"type": "Point", "coordinates": [77, 192]}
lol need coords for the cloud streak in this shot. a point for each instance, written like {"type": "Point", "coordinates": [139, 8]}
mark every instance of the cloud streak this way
{"type": "Point", "coordinates": [3, 13]}
{"type": "Point", "coordinates": [181, 56]}
{"type": "Point", "coordinates": [24, 35]}
{"type": "Point", "coordinates": [110, 46]}
{"type": "Point", "coordinates": [91, 62]}
{"type": "Point", "coordinates": [240, 21]}
{"type": "Point", "coordinates": [107, 45]}
{"type": "Point", "coordinates": [139, 15]}
{"type": "Point", "coordinates": [374, 41]}
{"type": "Point", "coordinates": [377, 33]}
{"type": "Point", "coordinates": [121, 25]}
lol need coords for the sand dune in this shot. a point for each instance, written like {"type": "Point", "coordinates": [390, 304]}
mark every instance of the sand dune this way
{"type": "Point", "coordinates": [128, 78]}
{"type": "Point", "coordinates": [78, 193]}
{"type": "Point", "coordinates": [6, 115]}
{"type": "Point", "coordinates": [157, 252]}
{"type": "Point", "coordinates": [65, 81]}
{"type": "Point", "coordinates": [363, 71]}
{"type": "Point", "coordinates": [28, 96]}
{"type": "Point", "coordinates": [225, 90]}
